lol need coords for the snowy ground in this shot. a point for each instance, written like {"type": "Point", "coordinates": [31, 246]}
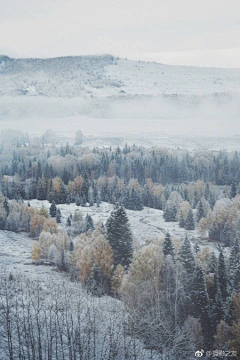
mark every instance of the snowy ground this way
{"type": "Point", "coordinates": [15, 249]}
{"type": "Point", "coordinates": [145, 224]}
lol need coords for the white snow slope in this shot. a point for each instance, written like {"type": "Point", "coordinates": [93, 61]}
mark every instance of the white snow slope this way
{"type": "Point", "coordinates": [106, 96]}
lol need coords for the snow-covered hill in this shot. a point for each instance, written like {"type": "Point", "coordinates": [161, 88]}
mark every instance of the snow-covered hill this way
{"type": "Point", "coordinates": [107, 96]}
{"type": "Point", "coordinates": [109, 76]}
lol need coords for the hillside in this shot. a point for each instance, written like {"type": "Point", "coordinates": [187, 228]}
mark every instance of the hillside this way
{"type": "Point", "coordinates": [108, 76]}
{"type": "Point", "coordinates": [107, 96]}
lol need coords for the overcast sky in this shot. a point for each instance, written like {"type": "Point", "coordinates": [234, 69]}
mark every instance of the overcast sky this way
{"type": "Point", "coordinates": [188, 32]}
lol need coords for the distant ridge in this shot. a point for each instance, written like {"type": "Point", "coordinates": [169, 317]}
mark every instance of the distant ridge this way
{"type": "Point", "coordinates": [106, 75]}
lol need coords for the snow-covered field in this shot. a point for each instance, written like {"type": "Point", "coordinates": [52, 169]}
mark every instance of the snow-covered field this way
{"type": "Point", "coordinates": [145, 224]}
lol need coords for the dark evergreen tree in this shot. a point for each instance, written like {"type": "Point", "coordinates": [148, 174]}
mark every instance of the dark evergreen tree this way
{"type": "Point", "coordinates": [119, 236]}
{"type": "Point", "coordinates": [71, 246]}
{"type": "Point", "coordinates": [186, 256]}
{"type": "Point", "coordinates": [77, 200]}
{"type": "Point", "coordinates": [212, 264]}
{"type": "Point", "coordinates": [58, 216]}
{"type": "Point", "coordinates": [94, 283]}
{"type": "Point", "coordinates": [84, 188]}
{"type": "Point", "coordinates": [195, 199]}
{"type": "Point", "coordinates": [233, 191]}
{"type": "Point", "coordinates": [222, 275]}
{"type": "Point", "coordinates": [189, 223]}
{"type": "Point", "coordinates": [167, 246]}
{"type": "Point", "coordinates": [6, 206]}
{"type": "Point", "coordinates": [89, 225]}
{"type": "Point", "coordinates": [234, 266]}
{"type": "Point", "coordinates": [62, 195]}
{"type": "Point", "coordinates": [200, 301]}
{"type": "Point", "coordinates": [53, 209]}
{"type": "Point", "coordinates": [196, 247]}
{"type": "Point", "coordinates": [200, 211]}
{"type": "Point", "coordinates": [69, 222]}
{"type": "Point", "coordinates": [181, 220]}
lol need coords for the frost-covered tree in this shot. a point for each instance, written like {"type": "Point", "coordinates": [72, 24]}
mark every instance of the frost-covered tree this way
{"type": "Point", "coordinates": [233, 191]}
{"type": "Point", "coordinates": [189, 223]}
{"type": "Point", "coordinates": [167, 246]}
{"type": "Point", "coordinates": [53, 209]}
{"type": "Point", "coordinates": [119, 236]}
{"type": "Point", "coordinates": [58, 216]}
{"type": "Point", "coordinates": [201, 306]}
{"type": "Point", "coordinates": [186, 256]}
{"type": "Point", "coordinates": [89, 225]}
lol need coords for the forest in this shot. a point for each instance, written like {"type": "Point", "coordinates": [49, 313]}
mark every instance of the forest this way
{"type": "Point", "coordinates": [119, 298]}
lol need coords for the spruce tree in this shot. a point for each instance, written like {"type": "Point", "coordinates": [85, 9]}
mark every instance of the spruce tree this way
{"type": "Point", "coordinates": [200, 211]}
{"type": "Point", "coordinates": [58, 216]}
{"type": "Point", "coordinates": [181, 220]}
{"type": "Point", "coordinates": [200, 301]}
{"type": "Point", "coordinates": [84, 188]}
{"type": "Point", "coordinates": [69, 222]}
{"type": "Point", "coordinates": [120, 237]}
{"type": "Point", "coordinates": [77, 200]}
{"type": "Point", "coordinates": [234, 266]}
{"type": "Point", "coordinates": [62, 195]}
{"type": "Point", "coordinates": [89, 223]}
{"type": "Point", "coordinates": [53, 209]}
{"type": "Point", "coordinates": [222, 275]}
{"type": "Point", "coordinates": [95, 282]}
{"type": "Point", "coordinates": [189, 223]}
{"type": "Point", "coordinates": [186, 256]}
{"type": "Point", "coordinates": [212, 264]}
{"type": "Point", "coordinates": [196, 247]}
{"type": "Point", "coordinates": [167, 246]}
{"type": "Point", "coordinates": [195, 199]}
{"type": "Point", "coordinates": [233, 191]}
{"type": "Point", "coordinates": [6, 206]}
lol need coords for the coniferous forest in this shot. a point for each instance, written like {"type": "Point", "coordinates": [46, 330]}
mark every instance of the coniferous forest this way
{"type": "Point", "coordinates": [110, 295]}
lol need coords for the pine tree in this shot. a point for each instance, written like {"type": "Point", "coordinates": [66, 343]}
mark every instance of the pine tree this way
{"type": "Point", "coordinates": [217, 311]}
{"type": "Point", "coordinates": [200, 211]}
{"type": "Point", "coordinates": [234, 266]}
{"type": "Point", "coordinates": [212, 264]}
{"type": "Point", "coordinates": [222, 275]}
{"type": "Point", "coordinates": [95, 282]}
{"type": "Point", "coordinates": [167, 246]}
{"type": "Point", "coordinates": [195, 199]}
{"type": "Point", "coordinates": [120, 237]}
{"type": "Point", "coordinates": [77, 200]}
{"type": "Point", "coordinates": [189, 223]}
{"type": "Point", "coordinates": [62, 195]}
{"type": "Point", "coordinates": [69, 222]}
{"type": "Point", "coordinates": [186, 256]}
{"type": "Point", "coordinates": [200, 300]}
{"type": "Point", "coordinates": [181, 220]}
{"type": "Point", "coordinates": [196, 247]}
{"type": "Point", "coordinates": [233, 191]}
{"type": "Point", "coordinates": [89, 223]}
{"type": "Point", "coordinates": [53, 209]}
{"type": "Point", "coordinates": [6, 206]}
{"type": "Point", "coordinates": [58, 216]}
{"type": "Point", "coordinates": [84, 188]}
{"type": "Point", "coordinates": [71, 246]}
